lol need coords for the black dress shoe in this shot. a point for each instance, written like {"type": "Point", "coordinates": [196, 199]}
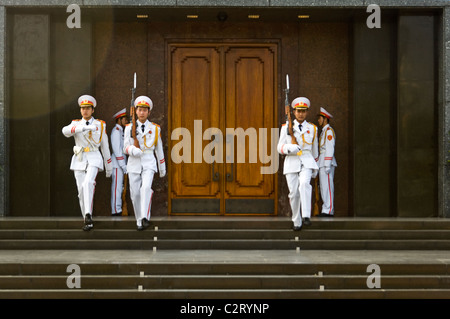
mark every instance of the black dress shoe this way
{"type": "Point", "coordinates": [88, 223]}
{"type": "Point", "coordinates": [307, 222]}
{"type": "Point", "coordinates": [88, 219]}
{"type": "Point", "coordinates": [145, 222]}
{"type": "Point", "coordinates": [297, 228]}
{"type": "Point", "coordinates": [88, 227]}
{"type": "Point", "coordinates": [324, 215]}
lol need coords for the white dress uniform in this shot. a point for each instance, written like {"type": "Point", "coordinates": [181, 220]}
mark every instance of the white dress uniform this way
{"type": "Point", "coordinates": [90, 139]}
{"type": "Point", "coordinates": [327, 164]}
{"type": "Point", "coordinates": [142, 163]}
{"type": "Point", "coordinates": [119, 162]}
{"type": "Point", "coordinates": [299, 169]}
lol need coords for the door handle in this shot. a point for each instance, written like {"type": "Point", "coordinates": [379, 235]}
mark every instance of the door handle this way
{"type": "Point", "coordinates": [230, 176]}
{"type": "Point", "coordinates": [229, 141]}
{"type": "Point", "coordinates": [215, 175]}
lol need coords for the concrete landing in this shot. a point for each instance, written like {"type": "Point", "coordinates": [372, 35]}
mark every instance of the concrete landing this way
{"type": "Point", "coordinates": [226, 256]}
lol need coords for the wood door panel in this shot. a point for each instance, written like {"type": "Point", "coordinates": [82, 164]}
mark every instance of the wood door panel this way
{"type": "Point", "coordinates": [231, 88]}
{"type": "Point", "coordinates": [195, 106]}
{"type": "Point", "coordinates": [250, 102]}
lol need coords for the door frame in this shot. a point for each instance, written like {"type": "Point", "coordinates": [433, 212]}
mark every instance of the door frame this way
{"type": "Point", "coordinates": [175, 43]}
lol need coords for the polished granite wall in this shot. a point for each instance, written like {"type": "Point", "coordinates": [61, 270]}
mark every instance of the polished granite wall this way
{"type": "Point", "coordinates": [443, 89]}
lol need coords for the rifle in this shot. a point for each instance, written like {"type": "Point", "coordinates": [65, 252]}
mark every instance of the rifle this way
{"type": "Point", "coordinates": [316, 199]}
{"type": "Point", "coordinates": [288, 114]}
{"type": "Point", "coordinates": [124, 196]}
{"type": "Point", "coordinates": [133, 114]}
{"type": "Point", "coordinates": [136, 143]}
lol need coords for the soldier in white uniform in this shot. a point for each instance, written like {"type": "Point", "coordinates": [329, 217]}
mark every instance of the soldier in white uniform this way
{"type": "Point", "coordinates": [327, 163]}
{"type": "Point", "coordinates": [300, 161]}
{"type": "Point", "coordinates": [145, 161]}
{"type": "Point", "coordinates": [119, 161]}
{"type": "Point", "coordinates": [90, 138]}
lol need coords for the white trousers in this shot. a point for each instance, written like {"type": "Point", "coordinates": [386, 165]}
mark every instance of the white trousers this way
{"type": "Point", "coordinates": [327, 190]}
{"type": "Point", "coordinates": [116, 190]}
{"type": "Point", "coordinates": [300, 192]}
{"type": "Point", "coordinates": [86, 188]}
{"type": "Point", "coordinates": [141, 194]}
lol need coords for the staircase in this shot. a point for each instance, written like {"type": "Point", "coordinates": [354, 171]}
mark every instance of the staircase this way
{"type": "Point", "coordinates": [226, 233]}
{"type": "Point", "coordinates": [225, 258]}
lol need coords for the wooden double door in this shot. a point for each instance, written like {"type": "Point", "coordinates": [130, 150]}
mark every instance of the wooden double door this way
{"type": "Point", "coordinates": [222, 106]}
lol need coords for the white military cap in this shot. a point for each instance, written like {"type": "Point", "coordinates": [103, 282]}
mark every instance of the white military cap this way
{"type": "Point", "coordinates": [300, 103]}
{"type": "Point", "coordinates": [325, 113]}
{"type": "Point", "coordinates": [122, 112]}
{"type": "Point", "coordinates": [143, 101]}
{"type": "Point", "coordinates": [87, 100]}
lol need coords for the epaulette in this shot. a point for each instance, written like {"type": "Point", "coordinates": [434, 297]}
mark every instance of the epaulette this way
{"type": "Point", "coordinates": [156, 124]}
{"type": "Point", "coordinates": [283, 124]}
{"type": "Point", "coordinates": [76, 120]}
{"type": "Point", "coordinates": [330, 129]}
{"type": "Point", "coordinates": [101, 121]}
{"type": "Point", "coordinates": [312, 124]}
{"type": "Point", "coordinates": [128, 124]}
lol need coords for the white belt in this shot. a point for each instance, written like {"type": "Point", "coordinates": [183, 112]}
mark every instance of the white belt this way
{"type": "Point", "coordinates": [147, 151]}
{"type": "Point", "coordinates": [90, 149]}
{"type": "Point", "coordinates": [78, 151]}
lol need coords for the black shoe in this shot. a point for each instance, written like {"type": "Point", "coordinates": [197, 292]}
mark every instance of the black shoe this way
{"type": "Point", "coordinates": [88, 227]}
{"type": "Point", "coordinates": [297, 228]}
{"type": "Point", "coordinates": [307, 222]}
{"type": "Point", "coordinates": [324, 215]}
{"type": "Point", "coordinates": [88, 220]}
{"type": "Point", "coordinates": [145, 222]}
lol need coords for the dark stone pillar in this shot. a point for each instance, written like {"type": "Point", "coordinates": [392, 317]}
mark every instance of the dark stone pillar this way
{"type": "Point", "coordinates": [373, 104]}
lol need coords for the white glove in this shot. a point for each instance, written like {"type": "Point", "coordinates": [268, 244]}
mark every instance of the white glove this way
{"type": "Point", "coordinates": [78, 151]}
{"type": "Point", "coordinates": [162, 173]}
{"type": "Point", "coordinates": [108, 173]}
{"type": "Point", "coordinates": [90, 128]}
{"type": "Point", "coordinates": [292, 148]}
{"type": "Point", "coordinates": [314, 173]}
{"type": "Point", "coordinates": [136, 151]}
{"type": "Point", "coordinates": [327, 170]}
{"type": "Point", "coordinates": [124, 169]}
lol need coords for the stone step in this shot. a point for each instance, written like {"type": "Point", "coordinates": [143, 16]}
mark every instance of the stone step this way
{"type": "Point", "coordinates": [225, 282]}
{"type": "Point", "coordinates": [305, 234]}
{"type": "Point", "coordinates": [229, 294]}
{"type": "Point", "coordinates": [225, 233]}
{"type": "Point", "coordinates": [240, 269]}
{"type": "Point", "coordinates": [231, 244]}
{"type": "Point", "coordinates": [230, 280]}
{"type": "Point", "coordinates": [179, 223]}
{"type": "Point", "coordinates": [268, 268]}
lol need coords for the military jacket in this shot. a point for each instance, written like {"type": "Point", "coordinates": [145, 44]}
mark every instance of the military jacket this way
{"type": "Point", "coordinates": [308, 142]}
{"type": "Point", "coordinates": [150, 143]}
{"type": "Point", "coordinates": [88, 145]}
{"type": "Point", "coordinates": [119, 159]}
{"type": "Point", "coordinates": [327, 142]}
